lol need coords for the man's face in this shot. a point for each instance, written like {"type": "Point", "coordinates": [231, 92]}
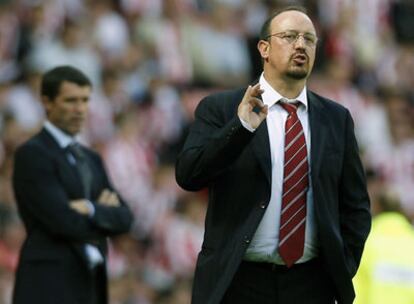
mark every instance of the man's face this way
{"type": "Point", "coordinates": [288, 58]}
{"type": "Point", "coordinates": [69, 108]}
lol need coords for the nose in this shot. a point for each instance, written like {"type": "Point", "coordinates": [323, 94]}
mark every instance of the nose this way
{"type": "Point", "coordinates": [80, 106]}
{"type": "Point", "coordinates": [300, 41]}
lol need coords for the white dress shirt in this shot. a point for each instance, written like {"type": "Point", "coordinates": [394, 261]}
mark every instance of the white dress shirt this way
{"type": "Point", "coordinates": [264, 245]}
{"type": "Point", "coordinates": [94, 255]}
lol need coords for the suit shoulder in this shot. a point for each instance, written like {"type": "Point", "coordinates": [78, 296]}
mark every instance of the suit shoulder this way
{"type": "Point", "coordinates": [32, 157]}
{"type": "Point", "coordinates": [219, 107]}
{"type": "Point", "coordinates": [329, 103]}
{"type": "Point", "coordinates": [228, 94]}
{"type": "Point", "coordinates": [221, 101]}
{"type": "Point", "coordinates": [32, 145]}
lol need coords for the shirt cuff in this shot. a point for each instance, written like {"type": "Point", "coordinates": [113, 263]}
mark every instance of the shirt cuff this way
{"type": "Point", "coordinates": [91, 208]}
{"type": "Point", "coordinates": [246, 125]}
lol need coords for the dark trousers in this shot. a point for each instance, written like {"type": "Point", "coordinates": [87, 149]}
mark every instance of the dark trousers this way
{"type": "Point", "coordinates": [265, 283]}
{"type": "Point", "coordinates": [98, 285]}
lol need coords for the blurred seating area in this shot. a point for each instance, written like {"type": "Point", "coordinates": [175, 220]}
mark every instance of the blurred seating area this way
{"type": "Point", "coordinates": [151, 62]}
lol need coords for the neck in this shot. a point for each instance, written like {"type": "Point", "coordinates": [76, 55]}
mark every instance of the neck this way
{"type": "Point", "coordinates": [289, 88]}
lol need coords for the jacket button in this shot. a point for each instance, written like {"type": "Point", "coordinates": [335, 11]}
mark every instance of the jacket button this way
{"type": "Point", "coordinates": [246, 240]}
{"type": "Point", "coordinates": [262, 205]}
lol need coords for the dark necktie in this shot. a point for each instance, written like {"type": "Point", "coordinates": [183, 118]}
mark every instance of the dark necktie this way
{"type": "Point", "coordinates": [91, 250]}
{"type": "Point", "coordinates": [82, 166]}
{"type": "Point", "coordinates": [295, 185]}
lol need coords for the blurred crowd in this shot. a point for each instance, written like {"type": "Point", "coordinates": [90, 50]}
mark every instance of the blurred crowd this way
{"type": "Point", "coordinates": [151, 61]}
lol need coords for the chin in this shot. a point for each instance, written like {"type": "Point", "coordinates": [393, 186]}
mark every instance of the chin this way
{"type": "Point", "coordinates": [72, 132]}
{"type": "Point", "coordinates": [297, 74]}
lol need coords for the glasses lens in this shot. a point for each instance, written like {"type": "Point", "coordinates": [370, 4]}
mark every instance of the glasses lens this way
{"type": "Point", "coordinates": [292, 37]}
{"type": "Point", "coordinates": [310, 39]}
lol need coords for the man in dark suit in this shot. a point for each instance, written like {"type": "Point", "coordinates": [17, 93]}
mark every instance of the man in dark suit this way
{"type": "Point", "coordinates": [66, 202]}
{"type": "Point", "coordinates": [288, 210]}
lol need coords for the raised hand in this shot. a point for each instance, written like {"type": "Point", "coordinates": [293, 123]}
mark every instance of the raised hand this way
{"type": "Point", "coordinates": [251, 109]}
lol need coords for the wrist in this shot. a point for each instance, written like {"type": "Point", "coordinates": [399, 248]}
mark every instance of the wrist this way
{"type": "Point", "coordinates": [247, 125]}
{"type": "Point", "coordinates": [91, 208]}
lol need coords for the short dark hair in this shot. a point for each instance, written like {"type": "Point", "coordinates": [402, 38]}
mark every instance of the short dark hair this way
{"type": "Point", "coordinates": [265, 30]}
{"type": "Point", "coordinates": [52, 80]}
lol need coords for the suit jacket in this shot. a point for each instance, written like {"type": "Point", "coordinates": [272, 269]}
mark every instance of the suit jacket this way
{"type": "Point", "coordinates": [53, 266]}
{"type": "Point", "coordinates": [235, 165]}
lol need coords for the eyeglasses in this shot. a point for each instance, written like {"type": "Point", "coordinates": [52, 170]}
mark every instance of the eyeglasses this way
{"type": "Point", "coordinates": [291, 37]}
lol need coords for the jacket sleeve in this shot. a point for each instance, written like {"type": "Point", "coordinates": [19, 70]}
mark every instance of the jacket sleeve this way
{"type": "Point", "coordinates": [111, 220]}
{"type": "Point", "coordinates": [213, 144]}
{"type": "Point", "coordinates": [42, 200]}
{"type": "Point", "coordinates": [355, 216]}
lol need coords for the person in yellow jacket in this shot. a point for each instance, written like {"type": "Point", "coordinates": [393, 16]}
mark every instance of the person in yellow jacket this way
{"type": "Point", "coordinates": [386, 272]}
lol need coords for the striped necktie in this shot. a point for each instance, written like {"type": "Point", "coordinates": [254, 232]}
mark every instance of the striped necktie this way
{"type": "Point", "coordinates": [295, 185]}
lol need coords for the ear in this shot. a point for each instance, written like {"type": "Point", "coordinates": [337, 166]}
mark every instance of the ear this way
{"type": "Point", "coordinates": [263, 47]}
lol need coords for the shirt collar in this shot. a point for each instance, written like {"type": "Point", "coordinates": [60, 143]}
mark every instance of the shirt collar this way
{"type": "Point", "coordinates": [270, 96]}
{"type": "Point", "coordinates": [61, 137]}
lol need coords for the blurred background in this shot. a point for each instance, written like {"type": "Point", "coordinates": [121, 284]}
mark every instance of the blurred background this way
{"type": "Point", "coordinates": [151, 61]}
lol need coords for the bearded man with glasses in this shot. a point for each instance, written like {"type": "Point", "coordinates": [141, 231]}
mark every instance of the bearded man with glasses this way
{"type": "Point", "coordinates": [288, 211]}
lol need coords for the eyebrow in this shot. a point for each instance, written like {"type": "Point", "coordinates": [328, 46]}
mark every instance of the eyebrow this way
{"type": "Point", "coordinates": [296, 31]}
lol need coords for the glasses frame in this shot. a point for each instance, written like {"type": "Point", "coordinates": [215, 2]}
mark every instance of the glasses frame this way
{"type": "Point", "coordinates": [283, 35]}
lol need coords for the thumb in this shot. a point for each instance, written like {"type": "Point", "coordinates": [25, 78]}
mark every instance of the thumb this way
{"type": "Point", "coordinates": [263, 112]}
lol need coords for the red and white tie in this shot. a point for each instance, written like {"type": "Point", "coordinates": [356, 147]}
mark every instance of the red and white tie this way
{"type": "Point", "coordinates": [295, 186]}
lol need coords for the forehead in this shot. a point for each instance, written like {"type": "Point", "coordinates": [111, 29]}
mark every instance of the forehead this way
{"type": "Point", "coordinates": [292, 20]}
{"type": "Point", "coordinates": [71, 88]}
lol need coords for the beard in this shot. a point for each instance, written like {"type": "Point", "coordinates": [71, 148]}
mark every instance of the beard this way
{"type": "Point", "coordinates": [297, 73]}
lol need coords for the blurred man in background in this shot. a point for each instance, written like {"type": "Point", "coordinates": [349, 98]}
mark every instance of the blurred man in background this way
{"type": "Point", "coordinates": [66, 202]}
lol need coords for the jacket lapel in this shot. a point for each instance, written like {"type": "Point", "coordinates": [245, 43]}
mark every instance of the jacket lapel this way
{"type": "Point", "coordinates": [261, 148]}
{"type": "Point", "coordinates": [69, 175]}
{"type": "Point", "coordinates": [318, 123]}
{"type": "Point", "coordinates": [260, 141]}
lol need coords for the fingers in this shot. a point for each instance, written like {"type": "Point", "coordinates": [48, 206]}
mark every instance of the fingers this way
{"type": "Point", "coordinates": [256, 90]}
{"type": "Point", "coordinates": [257, 106]}
{"type": "Point", "coordinates": [256, 102]}
{"type": "Point", "coordinates": [79, 206]}
{"type": "Point", "coordinates": [252, 92]}
{"type": "Point", "coordinates": [251, 109]}
{"type": "Point", "coordinates": [113, 200]}
{"type": "Point", "coordinates": [76, 203]}
{"type": "Point", "coordinates": [263, 112]}
{"type": "Point", "coordinates": [104, 196]}
{"type": "Point", "coordinates": [108, 198]}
